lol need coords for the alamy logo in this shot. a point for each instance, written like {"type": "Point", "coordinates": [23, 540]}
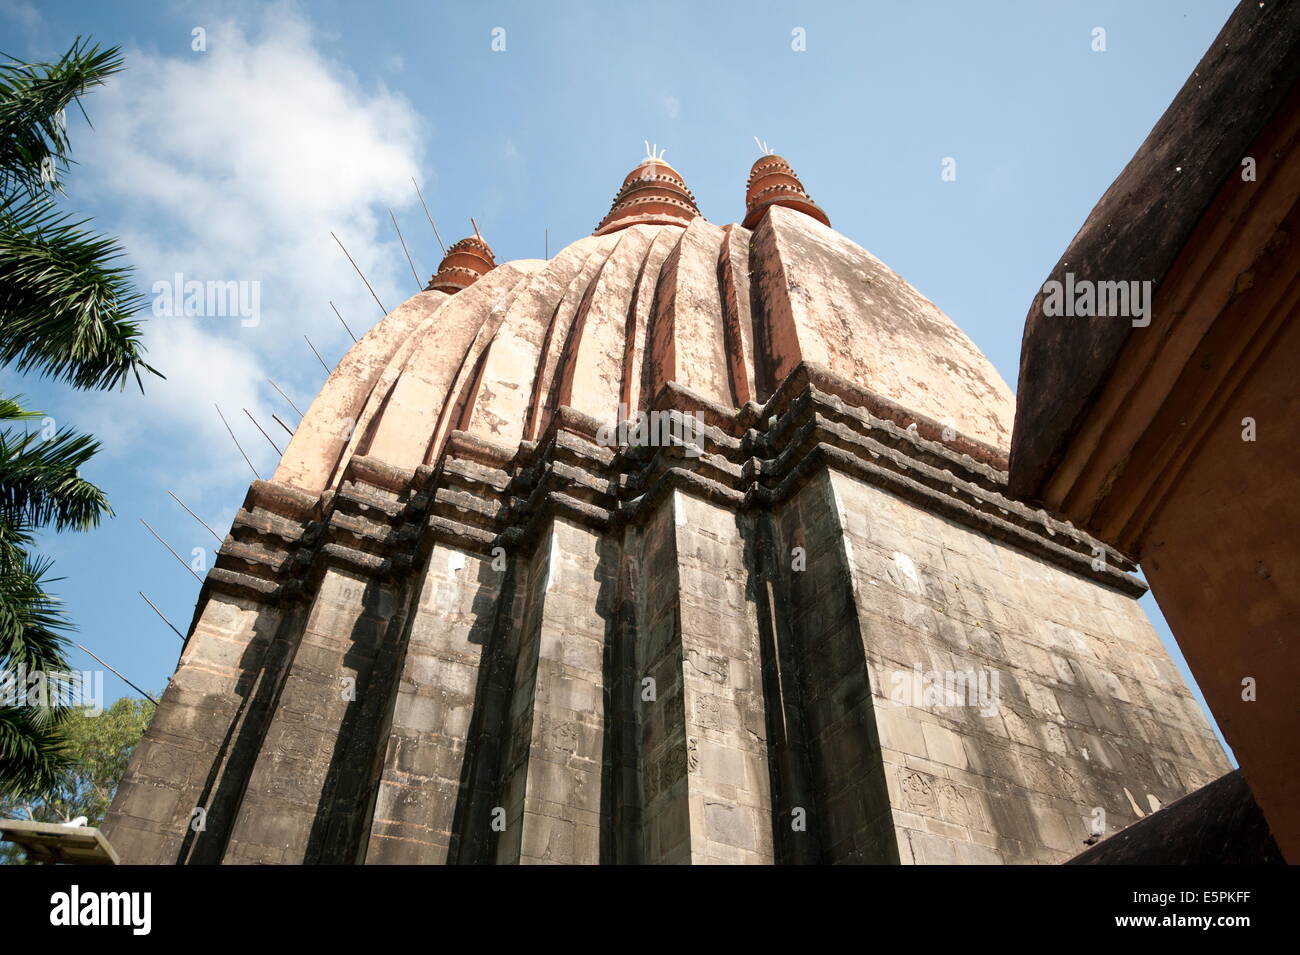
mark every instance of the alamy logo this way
{"type": "Point", "coordinates": [182, 298]}
{"type": "Point", "coordinates": [1084, 298]}
{"type": "Point", "coordinates": [946, 688]}
{"type": "Point", "coordinates": [655, 429]}
{"type": "Point", "coordinates": [43, 689]}
{"type": "Point", "coordinates": [75, 907]}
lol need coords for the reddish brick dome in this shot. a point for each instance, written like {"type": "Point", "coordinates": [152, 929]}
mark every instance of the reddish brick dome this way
{"type": "Point", "coordinates": [464, 264]}
{"type": "Point", "coordinates": [653, 193]}
{"type": "Point", "coordinates": [773, 183]}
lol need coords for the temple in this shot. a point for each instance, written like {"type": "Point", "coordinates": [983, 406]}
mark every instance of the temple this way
{"type": "Point", "coordinates": [456, 626]}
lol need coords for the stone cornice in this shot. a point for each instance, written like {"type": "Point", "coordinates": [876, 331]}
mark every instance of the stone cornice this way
{"type": "Point", "coordinates": [480, 496]}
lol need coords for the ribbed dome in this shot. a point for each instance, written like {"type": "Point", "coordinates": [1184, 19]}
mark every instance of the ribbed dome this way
{"type": "Point", "coordinates": [610, 319]}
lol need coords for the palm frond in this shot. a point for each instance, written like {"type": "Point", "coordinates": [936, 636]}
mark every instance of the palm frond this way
{"type": "Point", "coordinates": [41, 483]}
{"type": "Point", "coordinates": [33, 752]}
{"type": "Point", "coordinates": [65, 307]}
{"type": "Point", "coordinates": [32, 619]}
{"type": "Point", "coordinates": [11, 409]}
{"type": "Point", "coordinates": [34, 98]}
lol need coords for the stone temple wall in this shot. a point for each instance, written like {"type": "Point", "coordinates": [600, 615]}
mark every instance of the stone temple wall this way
{"type": "Point", "coordinates": [572, 653]}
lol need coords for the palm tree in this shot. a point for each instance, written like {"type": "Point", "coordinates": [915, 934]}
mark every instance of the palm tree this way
{"type": "Point", "coordinates": [66, 309]}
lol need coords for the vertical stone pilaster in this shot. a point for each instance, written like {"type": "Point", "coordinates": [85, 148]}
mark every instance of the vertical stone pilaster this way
{"type": "Point", "coordinates": [794, 807]}
{"type": "Point", "coordinates": [1015, 699]}
{"type": "Point", "coordinates": [662, 760]}
{"type": "Point", "coordinates": [553, 778]}
{"type": "Point", "coordinates": [853, 814]}
{"type": "Point", "coordinates": [705, 778]}
{"type": "Point", "coordinates": [302, 767]}
{"type": "Point", "coordinates": [197, 749]}
{"type": "Point", "coordinates": [423, 780]}
{"type": "Point", "coordinates": [621, 842]}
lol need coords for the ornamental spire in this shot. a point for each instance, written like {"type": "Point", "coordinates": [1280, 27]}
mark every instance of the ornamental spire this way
{"type": "Point", "coordinates": [653, 193]}
{"type": "Point", "coordinates": [773, 183]}
{"type": "Point", "coordinates": [464, 264]}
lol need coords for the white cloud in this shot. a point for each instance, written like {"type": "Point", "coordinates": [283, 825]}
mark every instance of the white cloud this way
{"type": "Point", "coordinates": [236, 164]}
{"type": "Point", "coordinates": [672, 106]}
{"type": "Point", "coordinates": [22, 11]}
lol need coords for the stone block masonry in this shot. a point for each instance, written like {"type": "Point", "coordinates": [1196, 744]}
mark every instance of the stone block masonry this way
{"type": "Point", "coordinates": [826, 639]}
{"type": "Point", "coordinates": [1067, 722]}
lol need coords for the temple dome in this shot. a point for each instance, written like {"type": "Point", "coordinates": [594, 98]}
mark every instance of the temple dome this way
{"type": "Point", "coordinates": [658, 295]}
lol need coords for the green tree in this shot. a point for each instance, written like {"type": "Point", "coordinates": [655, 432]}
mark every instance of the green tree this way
{"type": "Point", "coordinates": [98, 748]}
{"type": "Point", "coordinates": [66, 312]}
{"type": "Point", "coordinates": [65, 305]}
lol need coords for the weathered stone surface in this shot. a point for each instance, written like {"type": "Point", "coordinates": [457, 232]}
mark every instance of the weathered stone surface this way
{"type": "Point", "coordinates": [554, 775]}
{"type": "Point", "coordinates": [1219, 824]}
{"type": "Point", "coordinates": [436, 711]}
{"type": "Point", "coordinates": [1047, 710]}
{"type": "Point", "coordinates": [703, 769]}
{"type": "Point", "coordinates": [669, 669]}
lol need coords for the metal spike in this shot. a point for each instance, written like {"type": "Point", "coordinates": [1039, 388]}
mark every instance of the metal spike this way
{"type": "Point", "coordinates": [345, 324]}
{"type": "Point", "coordinates": [264, 434]}
{"type": "Point", "coordinates": [196, 517]}
{"type": "Point", "coordinates": [178, 557]}
{"type": "Point", "coordinates": [119, 676]}
{"type": "Point", "coordinates": [418, 286]}
{"type": "Point", "coordinates": [427, 216]}
{"type": "Point", "coordinates": [236, 440]}
{"type": "Point", "coordinates": [317, 354]}
{"type": "Point", "coordinates": [285, 397]}
{"type": "Point", "coordinates": [363, 277]}
{"type": "Point", "coordinates": [161, 614]}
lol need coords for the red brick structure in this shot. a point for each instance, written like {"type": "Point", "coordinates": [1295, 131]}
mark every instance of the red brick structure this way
{"type": "Point", "coordinates": [773, 182]}
{"type": "Point", "coordinates": [652, 194]}
{"type": "Point", "coordinates": [463, 265]}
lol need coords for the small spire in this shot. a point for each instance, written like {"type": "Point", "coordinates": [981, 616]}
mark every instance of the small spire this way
{"type": "Point", "coordinates": [653, 193]}
{"type": "Point", "coordinates": [464, 264]}
{"type": "Point", "coordinates": [773, 183]}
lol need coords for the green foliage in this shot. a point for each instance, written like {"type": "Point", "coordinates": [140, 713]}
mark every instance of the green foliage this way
{"type": "Point", "coordinates": [66, 312]}
{"type": "Point", "coordinates": [38, 486]}
{"type": "Point", "coordinates": [40, 479]}
{"type": "Point", "coordinates": [31, 749]}
{"type": "Point", "coordinates": [65, 305]}
{"type": "Point", "coordinates": [97, 749]}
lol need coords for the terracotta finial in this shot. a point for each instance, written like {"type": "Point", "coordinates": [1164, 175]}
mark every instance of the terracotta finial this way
{"type": "Point", "coordinates": [653, 193]}
{"type": "Point", "coordinates": [465, 262]}
{"type": "Point", "coordinates": [773, 183]}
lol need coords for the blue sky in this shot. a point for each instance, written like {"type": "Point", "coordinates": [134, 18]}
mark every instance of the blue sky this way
{"type": "Point", "coordinates": [237, 161]}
